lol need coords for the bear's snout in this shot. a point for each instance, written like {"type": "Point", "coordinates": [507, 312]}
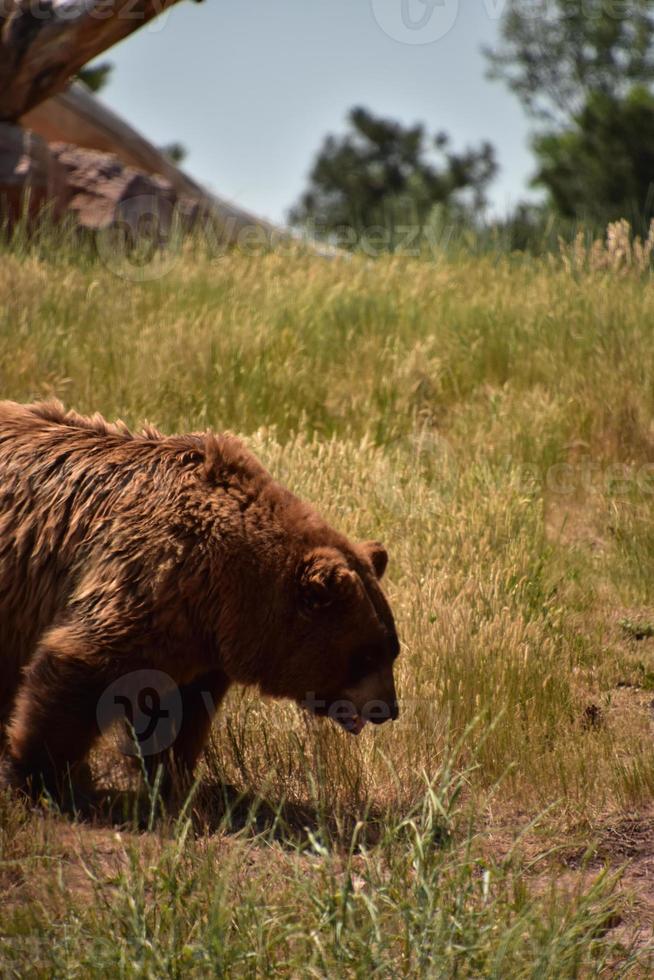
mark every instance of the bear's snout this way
{"type": "Point", "coordinates": [374, 698]}
{"type": "Point", "coordinates": [377, 712]}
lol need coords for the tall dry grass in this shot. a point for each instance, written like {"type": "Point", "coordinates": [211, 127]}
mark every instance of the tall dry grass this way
{"type": "Point", "coordinates": [490, 419]}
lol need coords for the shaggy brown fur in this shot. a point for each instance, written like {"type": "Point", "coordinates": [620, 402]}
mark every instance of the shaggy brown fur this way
{"type": "Point", "coordinates": [122, 551]}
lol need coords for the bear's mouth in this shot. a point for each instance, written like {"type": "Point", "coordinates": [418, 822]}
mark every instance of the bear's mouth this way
{"type": "Point", "coordinates": [351, 723]}
{"type": "Point", "coordinates": [340, 711]}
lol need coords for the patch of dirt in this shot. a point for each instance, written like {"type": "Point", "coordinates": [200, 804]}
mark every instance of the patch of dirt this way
{"type": "Point", "coordinates": [574, 520]}
{"type": "Point", "coordinates": [630, 842]}
{"type": "Point", "coordinates": [620, 844]}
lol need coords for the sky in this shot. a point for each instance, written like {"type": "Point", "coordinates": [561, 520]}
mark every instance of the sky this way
{"type": "Point", "coordinates": [251, 87]}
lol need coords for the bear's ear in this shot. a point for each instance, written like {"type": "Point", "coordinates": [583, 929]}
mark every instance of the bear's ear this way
{"type": "Point", "coordinates": [377, 556]}
{"type": "Point", "coordinates": [324, 578]}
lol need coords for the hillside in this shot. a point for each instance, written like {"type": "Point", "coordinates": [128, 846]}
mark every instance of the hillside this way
{"type": "Point", "coordinates": [490, 419]}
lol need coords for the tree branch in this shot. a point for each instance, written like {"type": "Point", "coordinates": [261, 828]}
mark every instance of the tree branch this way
{"type": "Point", "coordinates": [43, 43]}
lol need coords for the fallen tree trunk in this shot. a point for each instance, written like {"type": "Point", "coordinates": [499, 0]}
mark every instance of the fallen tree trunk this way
{"type": "Point", "coordinates": [80, 118]}
{"type": "Point", "coordinates": [43, 43]}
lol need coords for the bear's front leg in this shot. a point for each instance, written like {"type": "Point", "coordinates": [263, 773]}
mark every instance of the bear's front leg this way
{"type": "Point", "coordinates": [54, 723]}
{"type": "Point", "coordinates": [199, 702]}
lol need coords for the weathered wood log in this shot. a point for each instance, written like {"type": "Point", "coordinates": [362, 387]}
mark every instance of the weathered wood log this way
{"type": "Point", "coordinates": [79, 117]}
{"type": "Point", "coordinates": [43, 43]}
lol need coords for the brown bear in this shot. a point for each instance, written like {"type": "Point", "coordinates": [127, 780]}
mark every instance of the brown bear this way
{"type": "Point", "coordinates": [139, 555]}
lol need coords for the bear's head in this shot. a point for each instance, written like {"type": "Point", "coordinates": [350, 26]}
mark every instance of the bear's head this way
{"type": "Point", "coordinates": [341, 641]}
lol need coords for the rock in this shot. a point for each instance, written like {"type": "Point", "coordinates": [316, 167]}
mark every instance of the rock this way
{"type": "Point", "coordinates": [104, 191]}
{"type": "Point", "coordinates": [30, 176]}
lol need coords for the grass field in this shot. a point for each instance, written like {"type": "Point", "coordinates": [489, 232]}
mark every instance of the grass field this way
{"type": "Point", "coordinates": [490, 419]}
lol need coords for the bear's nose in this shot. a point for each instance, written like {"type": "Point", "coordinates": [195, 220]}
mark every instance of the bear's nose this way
{"type": "Point", "coordinates": [380, 711]}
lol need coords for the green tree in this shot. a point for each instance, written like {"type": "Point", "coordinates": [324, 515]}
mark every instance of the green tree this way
{"type": "Point", "coordinates": [176, 152]}
{"type": "Point", "coordinates": [583, 68]}
{"type": "Point", "coordinates": [96, 77]}
{"type": "Point", "coordinates": [602, 167]}
{"type": "Point", "coordinates": [381, 173]}
{"type": "Point", "coordinates": [554, 54]}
